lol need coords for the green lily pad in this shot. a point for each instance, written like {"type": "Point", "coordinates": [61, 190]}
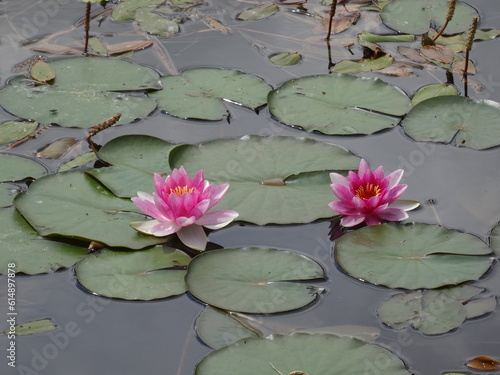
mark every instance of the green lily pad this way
{"type": "Point", "coordinates": [431, 91]}
{"type": "Point", "coordinates": [15, 168]}
{"type": "Point", "coordinates": [338, 104]}
{"type": "Point", "coordinates": [417, 255]}
{"type": "Point", "coordinates": [135, 158]}
{"type": "Point", "coordinates": [42, 72]}
{"type": "Point", "coordinates": [81, 95]}
{"type": "Point", "coordinates": [376, 38]}
{"type": "Point", "coordinates": [37, 326]}
{"type": "Point", "coordinates": [299, 353]}
{"type": "Point", "coordinates": [77, 162]}
{"type": "Point", "coordinates": [199, 93]}
{"type": "Point", "coordinates": [11, 131]}
{"type": "Point", "coordinates": [286, 58]}
{"type": "Point", "coordinates": [495, 239]}
{"type": "Point", "coordinates": [259, 12]}
{"type": "Point", "coordinates": [7, 194]}
{"type": "Point", "coordinates": [74, 205]}
{"type": "Point", "coordinates": [280, 180]}
{"type": "Point", "coordinates": [139, 275]}
{"type": "Point", "coordinates": [463, 121]}
{"type": "Point", "coordinates": [433, 312]}
{"type": "Point", "coordinates": [415, 17]}
{"type": "Point", "coordinates": [31, 254]}
{"type": "Point", "coordinates": [364, 65]}
{"type": "Point", "coordinates": [253, 279]}
{"type": "Point", "coordinates": [156, 24]}
{"type": "Point", "coordinates": [125, 11]}
{"type": "Point", "coordinates": [219, 328]}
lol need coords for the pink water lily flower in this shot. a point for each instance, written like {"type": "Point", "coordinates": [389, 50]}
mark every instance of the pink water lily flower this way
{"type": "Point", "coordinates": [369, 197]}
{"type": "Point", "coordinates": [180, 205]}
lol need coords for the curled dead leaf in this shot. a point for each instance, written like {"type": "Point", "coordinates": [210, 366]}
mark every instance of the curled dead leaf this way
{"type": "Point", "coordinates": [483, 362]}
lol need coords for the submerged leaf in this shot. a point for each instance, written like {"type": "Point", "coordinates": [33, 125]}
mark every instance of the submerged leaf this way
{"type": "Point", "coordinates": [57, 149]}
{"type": "Point", "coordinates": [36, 326]}
{"type": "Point", "coordinates": [11, 131]}
{"type": "Point", "coordinates": [259, 12]}
{"type": "Point", "coordinates": [286, 58]}
{"type": "Point", "coordinates": [364, 65]}
{"type": "Point", "coordinates": [155, 24]}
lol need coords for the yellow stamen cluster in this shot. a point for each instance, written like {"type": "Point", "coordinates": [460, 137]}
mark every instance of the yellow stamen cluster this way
{"type": "Point", "coordinates": [179, 190]}
{"type": "Point", "coordinates": [367, 191]}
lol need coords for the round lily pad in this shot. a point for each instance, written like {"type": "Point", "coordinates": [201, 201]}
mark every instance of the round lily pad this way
{"type": "Point", "coordinates": [416, 17]}
{"type": "Point", "coordinates": [11, 131]}
{"type": "Point", "coordinates": [495, 239]}
{"type": "Point", "coordinates": [253, 279]}
{"type": "Point", "coordinates": [431, 91]}
{"type": "Point", "coordinates": [82, 94]}
{"type": "Point", "coordinates": [338, 104]}
{"type": "Point", "coordinates": [74, 205]}
{"type": "Point", "coordinates": [466, 122]}
{"type": "Point", "coordinates": [134, 275]}
{"type": "Point", "coordinates": [280, 180]}
{"type": "Point", "coordinates": [412, 256]}
{"type": "Point", "coordinates": [22, 245]}
{"type": "Point", "coordinates": [14, 168]}
{"type": "Point", "coordinates": [298, 354]}
{"type": "Point", "coordinates": [199, 93]}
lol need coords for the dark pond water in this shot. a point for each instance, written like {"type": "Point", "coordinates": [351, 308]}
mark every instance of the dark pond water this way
{"type": "Point", "coordinates": [127, 338]}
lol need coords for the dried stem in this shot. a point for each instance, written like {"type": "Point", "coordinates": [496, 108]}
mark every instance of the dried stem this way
{"type": "Point", "coordinates": [30, 136]}
{"type": "Point", "coordinates": [449, 16]}
{"type": "Point", "coordinates": [87, 27]}
{"type": "Point", "coordinates": [468, 47]}
{"type": "Point", "coordinates": [332, 14]}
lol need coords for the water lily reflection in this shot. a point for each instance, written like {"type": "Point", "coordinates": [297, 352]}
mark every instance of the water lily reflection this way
{"type": "Point", "coordinates": [369, 197]}
{"type": "Point", "coordinates": [180, 205]}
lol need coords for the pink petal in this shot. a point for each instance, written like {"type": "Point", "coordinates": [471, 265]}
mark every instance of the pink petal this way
{"type": "Point", "coordinates": [363, 168]}
{"type": "Point", "coordinates": [217, 193]}
{"type": "Point", "coordinates": [339, 179]}
{"type": "Point", "coordinates": [193, 236]}
{"type": "Point", "coordinates": [394, 178]}
{"type": "Point", "coordinates": [159, 182]}
{"type": "Point", "coordinates": [342, 193]}
{"type": "Point", "coordinates": [351, 221]}
{"type": "Point", "coordinates": [155, 227]}
{"type": "Point", "coordinates": [343, 208]}
{"type": "Point", "coordinates": [185, 221]}
{"type": "Point", "coordinates": [198, 179]}
{"type": "Point", "coordinates": [395, 193]}
{"type": "Point", "coordinates": [378, 174]}
{"type": "Point", "coordinates": [148, 207]}
{"type": "Point", "coordinates": [372, 220]}
{"type": "Point", "coordinates": [217, 219]}
{"type": "Point", "coordinates": [393, 214]}
{"type": "Point", "coordinates": [353, 178]}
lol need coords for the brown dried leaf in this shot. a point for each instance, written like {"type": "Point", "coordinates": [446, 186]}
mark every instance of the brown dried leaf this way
{"type": "Point", "coordinates": [341, 21]}
{"type": "Point", "coordinates": [459, 67]}
{"type": "Point", "coordinates": [216, 25]}
{"type": "Point", "coordinates": [398, 69]}
{"type": "Point", "coordinates": [57, 149]}
{"type": "Point", "coordinates": [484, 363]}
{"type": "Point", "coordinates": [44, 46]}
{"type": "Point", "coordinates": [134, 45]}
{"type": "Point", "coordinates": [413, 55]}
{"type": "Point", "coordinates": [439, 53]}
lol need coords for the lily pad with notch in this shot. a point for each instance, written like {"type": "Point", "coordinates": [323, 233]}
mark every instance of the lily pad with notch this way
{"type": "Point", "coordinates": [199, 93]}
{"type": "Point", "coordinates": [281, 180]}
{"type": "Point", "coordinates": [463, 121]}
{"type": "Point", "coordinates": [149, 274]}
{"type": "Point", "coordinates": [15, 168]}
{"type": "Point", "coordinates": [254, 279]}
{"type": "Point", "coordinates": [73, 204]}
{"type": "Point", "coordinates": [83, 93]}
{"type": "Point", "coordinates": [299, 353]}
{"type": "Point", "coordinates": [338, 104]}
{"type": "Point", "coordinates": [412, 256]}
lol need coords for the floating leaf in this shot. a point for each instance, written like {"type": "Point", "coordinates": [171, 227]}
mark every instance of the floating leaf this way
{"type": "Point", "coordinates": [11, 131]}
{"type": "Point", "coordinates": [125, 11]}
{"type": "Point", "coordinates": [418, 255]}
{"type": "Point", "coordinates": [36, 326]}
{"type": "Point", "coordinates": [80, 95]}
{"type": "Point", "coordinates": [431, 91]}
{"type": "Point", "coordinates": [342, 21]}
{"type": "Point", "coordinates": [75, 205]}
{"type": "Point", "coordinates": [135, 45]}
{"type": "Point", "coordinates": [467, 122]}
{"type": "Point", "coordinates": [57, 149]}
{"type": "Point", "coordinates": [415, 17]}
{"type": "Point", "coordinates": [413, 55]}
{"type": "Point", "coordinates": [7, 194]}
{"type": "Point", "coordinates": [31, 254]}
{"type": "Point", "coordinates": [286, 58]}
{"type": "Point", "coordinates": [338, 104]}
{"type": "Point", "coordinates": [253, 279]}
{"type": "Point", "coordinates": [97, 46]}
{"type": "Point", "coordinates": [439, 53]}
{"type": "Point", "coordinates": [495, 239]}
{"type": "Point", "coordinates": [218, 328]}
{"type": "Point", "coordinates": [266, 174]}
{"type": "Point", "coordinates": [140, 275]}
{"type": "Point", "coordinates": [374, 38]}
{"type": "Point", "coordinates": [459, 67]}
{"type": "Point", "coordinates": [259, 12]}
{"type": "Point", "coordinates": [216, 25]}
{"type": "Point", "coordinates": [15, 168]}
{"type": "Point", "coordinates": [155, 24]}
{"type": "Point", "coordinates": [42, 72]}
{"type": "Point", "coordinates": [135, 158]}
{"type": "Point", "coordinates": [199, 92]}
{"type": "Point", "coordinates": [479, 307]}
{"type": "Point", "coordinates": [77, 162]}
{"type": "Point", "coordinates": [363, 65]}
{"type": "Point", "coordinates": [299, 354]}
{"type": "Point", "coordinates": [484, 363]}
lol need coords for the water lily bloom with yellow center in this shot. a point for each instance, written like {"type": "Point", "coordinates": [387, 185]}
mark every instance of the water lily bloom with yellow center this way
{"type": "Point", "coordinates": [369, 197]}
{"type": "Point", "coordinates": [180, 205]}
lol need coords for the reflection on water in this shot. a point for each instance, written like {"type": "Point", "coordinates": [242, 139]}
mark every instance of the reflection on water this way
{"type": "Point", "coordinates": [118, 337]}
